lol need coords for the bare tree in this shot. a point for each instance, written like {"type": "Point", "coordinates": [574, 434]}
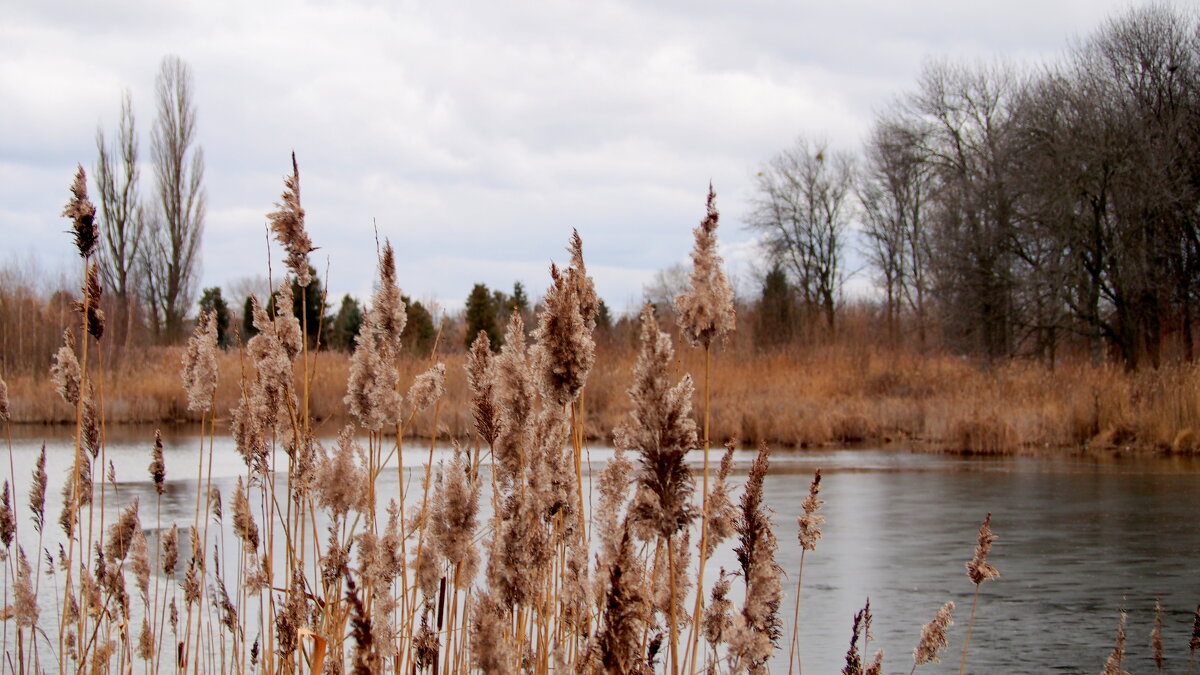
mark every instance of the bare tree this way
{"type": "Point", "coordinates": [172, 250]}
{"type": "Point", "coordinates": [802, 210]}
{"type": "Point", "coordinates": [893, 189]}
{"type": "Point", "coordinates": [122, 220]}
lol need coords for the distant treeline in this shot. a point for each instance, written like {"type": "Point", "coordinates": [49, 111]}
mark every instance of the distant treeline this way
{"type": "Point", "coordinates": [1015, 211]}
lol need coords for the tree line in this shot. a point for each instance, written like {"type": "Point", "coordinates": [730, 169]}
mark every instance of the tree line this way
{"type": "Point", "coordinates": [1009, 212]}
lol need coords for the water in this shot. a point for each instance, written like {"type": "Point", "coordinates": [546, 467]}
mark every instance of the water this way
{"type": "Point", "coordinates": [1079, 538]}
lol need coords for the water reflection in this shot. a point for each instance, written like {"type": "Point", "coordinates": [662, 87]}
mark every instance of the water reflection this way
{"type": "Point", "coordinates": [1079, 537]}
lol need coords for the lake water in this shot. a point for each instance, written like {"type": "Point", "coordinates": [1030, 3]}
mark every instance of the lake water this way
{"type": "Point", "coordinates": [1079, 538]}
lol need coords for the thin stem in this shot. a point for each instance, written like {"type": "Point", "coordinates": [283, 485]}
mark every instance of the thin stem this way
{"type": "Point", "coordinates": [967, 642]}
{"type": "Point", "coordinates": [792, 653]}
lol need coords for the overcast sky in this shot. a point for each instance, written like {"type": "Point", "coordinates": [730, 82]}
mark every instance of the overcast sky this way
{"type": "Point", "coordinates": [477, 134]}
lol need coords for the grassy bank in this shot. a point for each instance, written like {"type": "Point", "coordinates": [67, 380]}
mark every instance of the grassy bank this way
{"type": "Point", "coordinates": [796, 398]}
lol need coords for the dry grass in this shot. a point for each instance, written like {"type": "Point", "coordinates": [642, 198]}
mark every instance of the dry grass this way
{"type": "Point", "coordinates": [796, 398]}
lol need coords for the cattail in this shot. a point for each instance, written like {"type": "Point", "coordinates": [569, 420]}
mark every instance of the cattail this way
{"type": "Point", "coordinates": [64, 372]}
{"type": "Point", "coordinates": [8, 522]}
{"type": "Point", "coordinates": [243, 520]}
{"type": "Point", "coordinates": [427, 387]}
{"type": "Point", "coordinates": [3, 400]}
{"type": "Point", "coordinates": [37, 492]}
{"type": "Point", "coordinates": [82, 213]}
{"type": "Point", "coordinates": [170, 550]}
{"type": "Point", "coordinates": [810, 521]}
{"type": "Point", "coordinates": [1156, 642]}
{"type": "Point", "coordinates": [756, 555]}
{"type": "Point", "coordinates": [287, 222]}
{"type": "Point", "coordinates": [120, 533]}
{"type": "Point", "coordinates": [25, 606]}
{"type": "Point", "coordinates": [200, 364]}
{"type": "Point", "coordinates": [90, 305]}
{"type": "Point", "coordinates": [978, 568]}
{"type": "Point", "coordinates": [158, 466]}
{"type": "Point", "coordinates": [706, 309]}
{"type": "Point", "coordinates": [933, 637]}
{"type": "Point", "coordinates": [661, 429]}
{"type": "Point", "coordinates": [1112, 666]}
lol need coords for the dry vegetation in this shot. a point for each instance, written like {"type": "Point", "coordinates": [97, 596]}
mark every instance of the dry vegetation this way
{"type": "Point", "coordinates": [802, 397]}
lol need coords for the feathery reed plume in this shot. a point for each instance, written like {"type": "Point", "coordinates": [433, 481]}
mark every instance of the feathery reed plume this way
{"type": "Point", "coordinates": [3, 400]}
{"type": "Point", "coordinates": [139, 561]}
{"type": "Point", "coordinates": [613, 485]}
{"type": "Point", "coordinates": [624, 616]}
{"type": "Point", "coordinates": [120, 533]}
{"type": "Point", "coordinates": [243, 520]}
{"type": "Point", "coordinates": [214, 500]}
{"type": "Point", "coordinates": [82, 213]}
{"type": "Point", "coordinates": [760, 626]}
{"type": "Point", "coordinates": [292, 616]}
{"type": "Point", "coordinates": [8, 522]}
{"type": "Point", "coordinates": [491, 651]}
{"type": "Point", "coordinates": [170, 550]}
{"type": "Point", "coordinates": [718, 617]}
{"type": "Point", "coordinates": [565, 350]}
{"type": "Point", "coordinates": [425, 646]}
{"type": "Point", "coordinates": [145, 648]}
{"type": "Point", "coordinates": [706, 309]}
{"type": "Point", "coordinates": [875, 667]}
{"type": "Point", "coordinates": [158, 466]}
{"type": "Point", "coordinates": [366, 659]}
{"type": "Point", "coordinates": [809, 524]}
{"type": "Point", "coordinates": [371, 390]}
{"type": "Point", "coordinates": [933, 637]}
{"type": "Point", "coordinates": [1156, 642]}
{"type": "Point", "coordinates": [427, 387]}
{"type": "Point", "coordinates": [343, 484]}
{"type": "Point", "coordinates": [219, 597]}
{"type": "Point", "coordinates": [200, 364]}
{"type": "Point", "coordinates": [1112, 666]}
{"type": "Point", "coordinates": [453, 518]}
{"type": "Point", "coordinates": [978, 571]}
{"type": "Point", "coordinates": [90, 424]}
{"type": "Point", "coordinates": [64, 372]}
{"type": "Point", "coordinates": [37, 492]}
{"type": "Point", "coordinates": [661, 430]}
{"type": "Point", "coordinates": [721, 513]}
{"type": "Point", "coordinates": [287, 223]}
{"type": "Point", "coordinates": [287, 324]}
{"type": "Point", "coordinates": [481, 380]}
{"type": "Point", "coordinates": [861, 630]}
{"type": "Point", "coordinates": [90, 305]}
{"type": "Point", "coordinates": [810, 521]}
{"type": "Point", "coordinates": [25, 605]}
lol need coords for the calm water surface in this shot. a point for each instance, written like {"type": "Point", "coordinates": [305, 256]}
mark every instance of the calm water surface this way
{"type": "Point", "coordinates": [1079, 538]}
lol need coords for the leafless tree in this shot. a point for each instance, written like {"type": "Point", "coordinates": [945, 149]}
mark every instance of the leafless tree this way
{"type": "Point", "coordinates": [122, 220]}
{"type": "Point", "coordinates": [802, 209]}
{"type": "Point", "coordinates": [172, 252]}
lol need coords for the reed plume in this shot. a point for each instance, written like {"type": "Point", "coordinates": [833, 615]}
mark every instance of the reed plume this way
{"type": "Point", "coordinates": [565, 351]}
{"type": "Point", "coordinates": [427, 387]}
{"type": "Point", "coordinates": [624, 616]}
{"type": "Point", "coordinates": [760, 627]}
{"type": "Point", "coordinates": [82, 213]}
{"type": "Point", "coordinates": [514, 396]}
{"type": "Point", "coordinates": [860, 631]}
{"type": "Point", "coordinates": [158, 465]}
{"type": "Point", "coordinates": [1112, 666]}
{"type": "Point", "coordinates": [200, 364]}
{"type": "Point", "coordinates": [933, 637]}
{"type": "Point", "coordinates": [37, 492]}
{"type": "Point", "coordinates": [170, 551]}
{"type": "Point", "coordinates": [491, 649]}
{"type": "Point", "coordinates": [809, 532]}
{"type": "Point", "coordinates": [8, 521]}
{"type": "Point", "coordinates": [706, 309]}
{"type": "Point", "coordinates": [89, 307]}
{"type": "Point", "coordinates": [287, 223]}
{"type": "Point", "coordinates": [64, 372]}
{"type": "Point", "coordinates": [4, 414]}
{"type": "Point", "coordinates": [453, 518]}
{"type": "Point", "coordinates": [371, 391]}
{"type": "Point", "coordinates": [25, 605]}
{"type": "Point", "coordinates": [978, 571]}
{"type": "Point", "coordinates": [344, 484]}
{"type": "Point", "coordinates": [244, 526]}
{"type": "Point", "coordinates": [480, 380]}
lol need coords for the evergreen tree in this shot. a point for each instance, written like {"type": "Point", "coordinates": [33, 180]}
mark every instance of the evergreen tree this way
{"type": "Point", "coordinates": [420, 332]}
{"type": "Point", "coordinates": [248, 329]}
{"type": "Point", "coordinates": [346, 324]}
{"type": "Point", "coordinates": [211, 301]}
{"type": "Point", "coordinates": [776, 310]}
{"type": "Point", "coordinates": [481, 315]}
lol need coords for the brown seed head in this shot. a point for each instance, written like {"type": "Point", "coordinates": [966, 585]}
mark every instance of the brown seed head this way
{"type": "Point", "coordinates": [200, 364]}
{"type": "Point", "coordinates": [37, 492]}
{"type": "Point", "coordinates": [65, 370]}
{"type": "Point", "coordinates": [933, 636]}
{"type": "Point", "coordinates": [1112, 666]}
{"type": "Point", "coordinates": [82, 213]}
{"type": "Point", "coordinates": [3, 400]}
{"type": "Point", "coordinates": [706, 309]}
{"type": "Point", "coordinates": [810, 521]}
{"type": "Point", "coordinates": [287, 223]}
{"type": "Point", "coordinates": [90, 305]}
{"type": "Point", "coordinates": [158, 466]}
{"type": "Point", "coordinates": [428, 387]}
{"type": "Point", "coordinates": [8, 522]}
{"type": "Point", "coordinates": [481, 380]}
{"type": "Point", "coordinates": [978, 569]}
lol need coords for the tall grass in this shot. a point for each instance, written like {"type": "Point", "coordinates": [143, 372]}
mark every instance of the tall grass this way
{"type": "Point", "coordinates": [334, 573]}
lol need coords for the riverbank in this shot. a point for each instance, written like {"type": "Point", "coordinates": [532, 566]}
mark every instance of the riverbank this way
{"type": "Point", "coordinates": [798, 398]}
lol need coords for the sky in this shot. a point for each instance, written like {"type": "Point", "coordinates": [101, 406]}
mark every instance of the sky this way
{"type": "Point", "coordinates": [475, 135]}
